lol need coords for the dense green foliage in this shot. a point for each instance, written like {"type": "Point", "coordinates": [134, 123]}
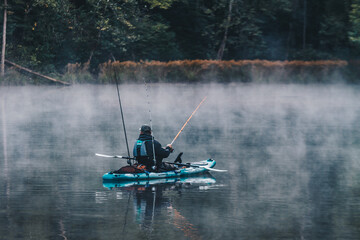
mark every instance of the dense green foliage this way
{"type": "Point", "coordinates": [46, 35]}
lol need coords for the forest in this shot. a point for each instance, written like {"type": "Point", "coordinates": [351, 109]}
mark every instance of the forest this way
{"type": "Point", "coordinates": [57, 36]}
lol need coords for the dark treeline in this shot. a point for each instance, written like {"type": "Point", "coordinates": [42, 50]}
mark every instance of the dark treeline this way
{"type": "Point", "coordinates": [46, 35]}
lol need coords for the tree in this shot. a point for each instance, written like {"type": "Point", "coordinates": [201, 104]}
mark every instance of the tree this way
{"type": "Point", "coordinates": [4, 40]}
{"type": "Point", "coordinates": [245, 36]}
{"type": "Point", "coordinates": [36, 32]}
{"type": "Point", "coordinates": [164, 4]}
{"type": "Point", "coordinates": [45, 35]}
{"type": "Point", "coordinates": [304, 24]}
{"type": "Point", "coordinates": [354, 32]}
{"type": "Point", "coordinates": [227, 25]}
{"type": "Point", "coordinates": [333, 30]}
{"type": "Point", "coordinates": [188, 20]}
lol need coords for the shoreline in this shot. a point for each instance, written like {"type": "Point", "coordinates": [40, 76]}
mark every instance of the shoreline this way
{"type": "Point", "coordinates": [202, 71]}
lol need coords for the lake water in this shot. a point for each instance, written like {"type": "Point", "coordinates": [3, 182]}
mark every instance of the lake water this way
{"type": "Point", "coordinates": [292, 153]}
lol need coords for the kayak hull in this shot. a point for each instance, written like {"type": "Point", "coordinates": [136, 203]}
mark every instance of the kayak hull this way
{"type": "Point", "coordinates": [204, 179]}
{"type": "Point", "coordinates": [196, 168]}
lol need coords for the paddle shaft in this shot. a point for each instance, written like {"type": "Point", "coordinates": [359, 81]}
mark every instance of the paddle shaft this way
{"type": "Point", "coordinates": [183, 164]}
{"type": "Point", "coordinates": [116, 156]}
{"type": "Point", "coordinates": [177, 135]}
{"type": "Point", "coordinates": [179, 164]}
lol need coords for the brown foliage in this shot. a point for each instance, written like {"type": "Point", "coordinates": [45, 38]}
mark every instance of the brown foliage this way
{"type": "Point", "coordinates": [222, 71]}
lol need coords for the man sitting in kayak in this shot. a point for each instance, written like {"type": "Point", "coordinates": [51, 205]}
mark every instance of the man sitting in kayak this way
{"type": "Point", "coordinates": [143, 151]}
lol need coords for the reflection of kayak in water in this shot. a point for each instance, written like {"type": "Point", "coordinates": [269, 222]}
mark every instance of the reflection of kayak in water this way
{"type": "Point", "coordinates": [199, 180]}
{"type": "Point", "coordinates": [152, 202]}
{"type": "Point", "coordinates": [183, 170]}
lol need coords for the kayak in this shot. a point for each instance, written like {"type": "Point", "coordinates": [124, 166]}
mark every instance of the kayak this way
{"type": "Point", "coordinates": [192, 169]}
{"type": "Point", "coordinates": [192, 180]}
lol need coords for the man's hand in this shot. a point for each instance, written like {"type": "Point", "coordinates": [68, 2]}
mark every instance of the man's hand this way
{"type": "Point", "coordinates": [169, 146]}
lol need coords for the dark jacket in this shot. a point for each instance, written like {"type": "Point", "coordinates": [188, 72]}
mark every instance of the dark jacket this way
{"type": "Point", "coordinates": [160, 153]}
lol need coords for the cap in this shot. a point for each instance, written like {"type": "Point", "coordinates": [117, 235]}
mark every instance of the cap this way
{"type": "Point", "coordinates": [145, 128]}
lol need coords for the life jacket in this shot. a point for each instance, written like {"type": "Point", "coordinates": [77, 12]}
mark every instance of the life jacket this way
{"type": "Point", "coordinates": [140, 149]}
{"type": "Point", "coordinates": [141, 154]}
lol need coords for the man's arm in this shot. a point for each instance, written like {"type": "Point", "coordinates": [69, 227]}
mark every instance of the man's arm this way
{"type": "Point", "coordinates": [162, 152]}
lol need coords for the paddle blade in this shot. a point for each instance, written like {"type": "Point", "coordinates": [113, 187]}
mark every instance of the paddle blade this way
{"type": "Point", "coordinates": [215, 170]}
{"type": "Point", "coordinates": [103, 155]}
{"type": "Point", "coordinates": [116, 156]}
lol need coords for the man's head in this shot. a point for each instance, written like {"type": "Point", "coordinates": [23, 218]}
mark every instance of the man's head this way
{"type": "Point", "coordinates": [145, 129]}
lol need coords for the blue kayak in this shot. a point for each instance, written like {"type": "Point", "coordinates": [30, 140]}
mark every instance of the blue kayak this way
{"type": "Point", "coordinates": [203, 180]}
{"type": "Point", "coordinates": [192, 169]}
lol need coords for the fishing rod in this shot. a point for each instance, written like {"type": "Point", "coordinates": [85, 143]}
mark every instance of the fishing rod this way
{"type": "Point", "coordinates": [177, 135]}
{"type": "Point", "coordinates": [122, 117]}
{"type": "Point", "coordinates": [127, 147]}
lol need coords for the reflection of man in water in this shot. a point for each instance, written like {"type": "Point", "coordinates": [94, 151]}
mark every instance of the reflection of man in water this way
{"type": "Point", "coordinates": [143, 151]}
{"type": "Point", "coordinates": [148, 203]}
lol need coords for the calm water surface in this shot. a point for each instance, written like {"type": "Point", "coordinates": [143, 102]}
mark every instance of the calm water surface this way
{"type": "Point", "coordinates": [292, 154]}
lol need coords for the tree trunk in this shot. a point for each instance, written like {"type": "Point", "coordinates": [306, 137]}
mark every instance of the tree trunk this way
{"type": "Point", "coordinates": [36, 73]}
{"type": "Point", "coordinates": [4, 41]}
{"type": "Point", "coordinates": [304, 29]}
{"type": "Point", "coordinates": [223, 43]}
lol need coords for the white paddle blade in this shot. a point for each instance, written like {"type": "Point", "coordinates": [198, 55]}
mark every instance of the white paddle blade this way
{"type": "Point", "coordinates": [215, 170]}
{"type": "Point", "coordinates": [107, 156]}
{"type": "Point", "coordinates": [103, 155]}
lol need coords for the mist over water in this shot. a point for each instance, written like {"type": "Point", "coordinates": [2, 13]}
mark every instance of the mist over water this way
{"type": "Point", "coordinates": [292, 152]}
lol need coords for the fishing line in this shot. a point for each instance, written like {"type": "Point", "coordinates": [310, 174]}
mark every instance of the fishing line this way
{"type": "Point", "coordinates": [149, 105]}
{"type": "Point", "coordinates": [153, 147]}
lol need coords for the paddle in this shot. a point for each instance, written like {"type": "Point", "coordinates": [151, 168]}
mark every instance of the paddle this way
{"type": "Point", "coordinates": [179, 164]}
{"type": "Point", "coordinates": [178, 161]}
{"type": "Point", "coordinates": [191, 165]}
{"type": "Point", "coordinates": [116, 156]}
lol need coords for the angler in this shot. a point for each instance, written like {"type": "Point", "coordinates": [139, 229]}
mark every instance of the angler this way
{"type": "Point", "coordinates": [144, 148]}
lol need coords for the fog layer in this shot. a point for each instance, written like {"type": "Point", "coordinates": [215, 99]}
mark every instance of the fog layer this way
{"type": "Point", "coordinates": [291, 151]}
